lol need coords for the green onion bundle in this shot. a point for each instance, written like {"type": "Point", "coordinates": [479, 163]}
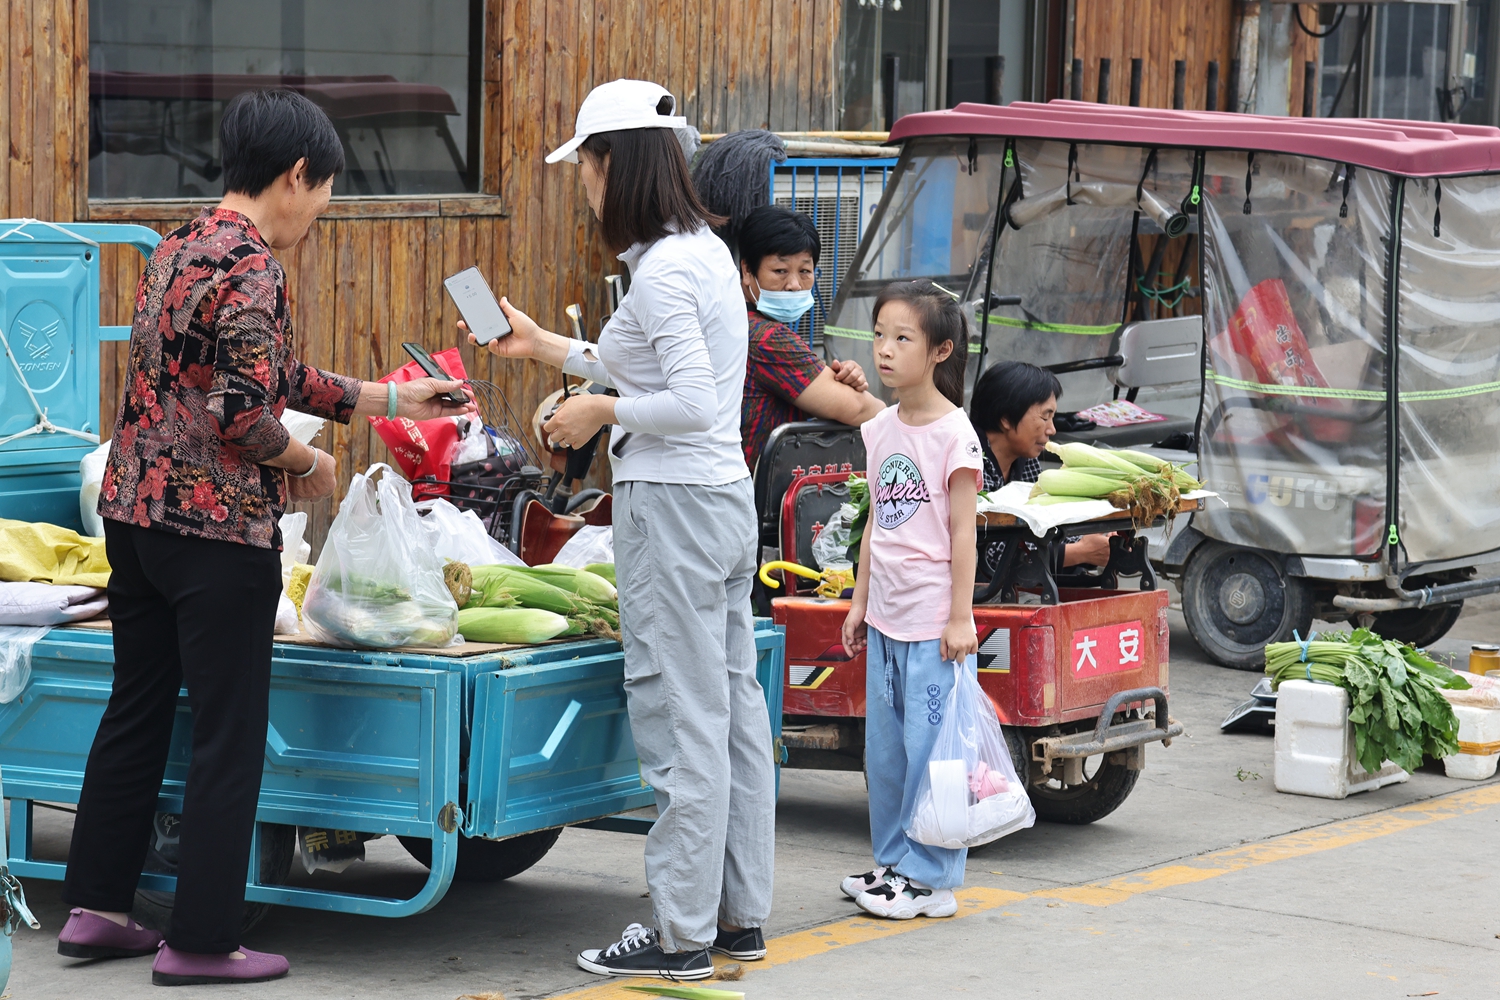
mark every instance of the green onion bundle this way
{"type": "Point", "coordinates": [1395, 708]}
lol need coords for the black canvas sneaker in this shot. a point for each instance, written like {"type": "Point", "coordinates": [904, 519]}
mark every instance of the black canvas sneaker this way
{"type": "Point", "coordinates": [747, 945]}
{"type": "Point", "coordinates": [638, 953]}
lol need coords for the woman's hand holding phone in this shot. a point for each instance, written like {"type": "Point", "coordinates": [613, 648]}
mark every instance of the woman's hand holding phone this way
{"type": "Point", "coordinates": [523, 337]}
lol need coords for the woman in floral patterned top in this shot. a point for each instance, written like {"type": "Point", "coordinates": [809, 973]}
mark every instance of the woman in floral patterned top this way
{"type": "Point", "coordinates": [200, 470]}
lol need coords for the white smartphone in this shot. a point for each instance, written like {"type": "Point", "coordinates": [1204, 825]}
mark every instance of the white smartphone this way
{"type": "Point", "coordinates": [478, 305]}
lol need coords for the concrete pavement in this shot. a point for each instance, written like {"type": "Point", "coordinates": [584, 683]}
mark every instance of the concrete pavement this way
{"type": "Point", "coordinates": [1206, 883]}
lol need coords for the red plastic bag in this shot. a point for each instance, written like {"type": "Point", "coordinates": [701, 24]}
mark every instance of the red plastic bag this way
{"type": "Point", "coordinates": [422, 447]}
{"type": "Point", "coordinates": [1264, 332]}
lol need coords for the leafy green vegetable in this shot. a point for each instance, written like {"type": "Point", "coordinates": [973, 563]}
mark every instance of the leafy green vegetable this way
{"type": "Point", "coordinates": [1394, 705]}
{"type": "Point", "coordinates": [859, 498]}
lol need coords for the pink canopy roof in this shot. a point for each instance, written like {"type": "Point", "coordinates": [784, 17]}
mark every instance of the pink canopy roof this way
{"type": "Point", "coordinates": [1415, 149]}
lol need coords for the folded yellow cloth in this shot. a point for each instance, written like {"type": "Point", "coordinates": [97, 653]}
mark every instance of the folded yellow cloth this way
{"type": "Point", "coordinates": [34, 552]}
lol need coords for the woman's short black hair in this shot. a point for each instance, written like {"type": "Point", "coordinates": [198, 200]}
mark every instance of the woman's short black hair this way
{"type": "Point", "coordinates": [648, 191]}
{"type": "Point", "coordinates": [773, 230]}
{"type": "Point", "coordinates": [942, 321]}
{"type": "Point", "coordinates": [265, 132]}
{"type": "Point", "coordinates": [1005, 392]}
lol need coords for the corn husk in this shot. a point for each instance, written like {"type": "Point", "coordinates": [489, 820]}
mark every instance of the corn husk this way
{"type": "Point", "coordinates": [1070, 483]}
{"type": "Point", "coordinates": [510, 625]}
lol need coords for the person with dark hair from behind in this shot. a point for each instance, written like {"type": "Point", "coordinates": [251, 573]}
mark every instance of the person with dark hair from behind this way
{"type": "Point", "coordinates": [784, 379]}
{"type": "Point", "coordinates": [200, 470]}
{"type": "Point", "coordinates": [1012, 409]}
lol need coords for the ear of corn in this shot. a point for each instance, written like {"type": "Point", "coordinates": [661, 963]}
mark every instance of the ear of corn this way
{"type": "Point", "coordinates": [1068, 483]}
{"type": "Point", "coordinates": [517, 625]}
{"type": "Point", "coordinates": [502, 586]}
{"type": "Point", "coordinates": [1048, 500]}
{"type": "Point", "coordinates": [581, 582]}
{"type": "Point", "coordinates": [606, 570]}
{"type": "Point", "coordinates": [1076, 455]}
{"type": "Point", "coordinates": [1150, 463]}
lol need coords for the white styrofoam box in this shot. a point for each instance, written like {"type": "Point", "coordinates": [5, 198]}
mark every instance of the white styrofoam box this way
{"type": "Point", "coordinates": [1315, 744]}
{"type": "Point", "coordinates": [1475, 725]}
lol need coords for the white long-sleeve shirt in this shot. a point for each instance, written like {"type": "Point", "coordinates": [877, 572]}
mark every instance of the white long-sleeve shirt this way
{"type": "Point", "coordinates": [675, 350]}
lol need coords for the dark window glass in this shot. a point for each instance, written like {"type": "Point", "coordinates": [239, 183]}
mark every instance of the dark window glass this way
{"type": "Point", "coordinates": [399, 79]}
{"type": "Point", "coordinates": [885, 60]}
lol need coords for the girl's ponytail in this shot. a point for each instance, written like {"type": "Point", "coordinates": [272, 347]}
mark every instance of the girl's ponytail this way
{"type": "Point", "coordinates": [942, 321]}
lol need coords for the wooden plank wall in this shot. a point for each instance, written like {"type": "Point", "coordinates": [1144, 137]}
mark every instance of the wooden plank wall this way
{"type": "Point", "coordinates": [368, 275]}
{"type": "Point", "coordinates": [1163, 31]}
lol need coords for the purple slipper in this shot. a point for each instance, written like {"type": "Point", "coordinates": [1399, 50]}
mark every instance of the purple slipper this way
{"type": "Point", "coordinates": [88, 935]}
{"type": "Point", "coordinates": [187, 968]}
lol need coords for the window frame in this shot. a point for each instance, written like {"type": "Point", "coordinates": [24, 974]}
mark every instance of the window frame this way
{"type": "Point", "coordinates": [482, 136]}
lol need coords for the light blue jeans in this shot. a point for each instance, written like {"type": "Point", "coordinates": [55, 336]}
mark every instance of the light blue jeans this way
{"type": "Point", "coordinates": [906, 695]}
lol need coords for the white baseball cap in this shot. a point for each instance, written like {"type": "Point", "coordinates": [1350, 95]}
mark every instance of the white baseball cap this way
{"type": "Point", "coordinates": [619, 104]}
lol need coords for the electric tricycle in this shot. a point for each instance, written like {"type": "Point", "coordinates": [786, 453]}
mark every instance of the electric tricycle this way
{"type": "Point", "coordinates": [1078, 674]}
{"type": "Point", "coordinates": [1301, 309]}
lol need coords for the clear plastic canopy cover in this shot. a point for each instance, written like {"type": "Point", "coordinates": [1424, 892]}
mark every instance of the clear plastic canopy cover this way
{"type": "Point", "coordinates": [1288, 261]}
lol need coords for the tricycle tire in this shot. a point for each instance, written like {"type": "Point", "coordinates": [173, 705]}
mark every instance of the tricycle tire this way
{"type": "Point", "coordinates": [481, 860]}
{"type": "Point", "coordinates": [1237, 599]}
{"type": "Point", "coordinates": [1418, 626]}
{"type": "Point", "coordinates": [278, 845]}
{"type": "Point", "coordinates": [1079, 804]}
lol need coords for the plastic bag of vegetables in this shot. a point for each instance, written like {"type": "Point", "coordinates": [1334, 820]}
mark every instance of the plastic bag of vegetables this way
{"type": "Point", "coordinates": [378, 582]}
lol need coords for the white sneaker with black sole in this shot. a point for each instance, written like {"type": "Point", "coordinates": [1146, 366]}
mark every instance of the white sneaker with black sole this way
{"type": "Point", "coordinates": [856, 884]}
{"type": "Point", "coordinates": [638, 953]}
{"type": "Point", "coordinates": [902, 899]}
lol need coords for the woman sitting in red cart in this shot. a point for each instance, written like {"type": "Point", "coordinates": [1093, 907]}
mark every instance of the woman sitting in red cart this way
{"type": "Point", "coordinates": [1012, 409]}
{"type": "Point", "coordinates": [784, 379]}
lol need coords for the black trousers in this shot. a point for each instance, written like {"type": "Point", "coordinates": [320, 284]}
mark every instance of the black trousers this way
{"type": "Point", "coordinates": [201, 613]}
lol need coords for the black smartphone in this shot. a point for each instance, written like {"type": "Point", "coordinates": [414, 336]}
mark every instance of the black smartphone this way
{"type": "Point", "coordinates": [424, 360]}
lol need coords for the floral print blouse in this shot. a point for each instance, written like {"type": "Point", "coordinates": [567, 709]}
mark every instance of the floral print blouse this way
{"type": "Point", "coordinates": [211, 369]}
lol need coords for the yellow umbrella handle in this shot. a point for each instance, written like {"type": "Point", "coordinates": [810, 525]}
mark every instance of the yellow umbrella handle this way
{"type": "Point", "coordinates": [788, 567]}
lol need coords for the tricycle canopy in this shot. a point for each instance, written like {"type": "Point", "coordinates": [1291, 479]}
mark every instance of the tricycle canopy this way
{"type": "Point", "coordinates": [1347, 273]}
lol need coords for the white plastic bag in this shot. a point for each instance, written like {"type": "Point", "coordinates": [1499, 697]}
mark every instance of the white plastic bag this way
{"type": "Point", "coordinates": [378, 583]}
{"type": "Point", "coordinates": [287, 622]}
{"type": "Point", "coordinates": [474, 443]}
{"type": "Point", "coordinates": [830, 548]}
{"type": "Point", "coordinates": [91, 471]}
{"type": "Point", "coordinates": [590, 544]}
{"type": "Point", "coordinates": [459, 534]}
{"type": "Point", "coordinates": [970, 794]}
{"type": "Point", "coordinates": [15, 658]}
{"type": "Point", "coordinates": [302, 426]}
{"type": "Point", "coordinates": [294, 547]}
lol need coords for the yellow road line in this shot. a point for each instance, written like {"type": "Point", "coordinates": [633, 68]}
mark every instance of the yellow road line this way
{"type": "Point", "coordinates": [979, 899]}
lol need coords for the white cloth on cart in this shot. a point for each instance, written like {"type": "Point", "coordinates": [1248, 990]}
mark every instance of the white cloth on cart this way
{"type": "Point", "coordinates": [1042, 518]}
{"type": "Point", "coordinates": [48, 604]}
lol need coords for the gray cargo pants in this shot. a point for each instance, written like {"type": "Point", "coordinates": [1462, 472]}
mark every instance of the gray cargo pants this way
{"type": "Point", "coordinates": [684, 560]}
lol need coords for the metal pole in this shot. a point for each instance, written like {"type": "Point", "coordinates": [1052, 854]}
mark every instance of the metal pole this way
{"type": "Point", "coordinates": [890, 77]}
{"type": "Point", "coordinates": [1075, 86]}
{"type": "Point", "coordinates": [1211, 99]}
{"type": "Point", "coordinates": [1310, 89]}
{"type": "Point", "coordinates": [1103, 81]}
{"type": "Point", "coordinates": [1179, 84]}
{"type": "Point", "coordinates": [1135, 83]}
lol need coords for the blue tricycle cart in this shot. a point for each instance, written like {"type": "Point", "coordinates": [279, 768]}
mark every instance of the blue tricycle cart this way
{"type": "Point", "coordinates": [475, 756]}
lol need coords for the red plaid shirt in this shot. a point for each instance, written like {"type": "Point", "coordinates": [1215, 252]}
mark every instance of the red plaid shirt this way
{"type": "Point", "coordinates": [779, 368]}
{"type": "Point", "coordinates": [211, 370]}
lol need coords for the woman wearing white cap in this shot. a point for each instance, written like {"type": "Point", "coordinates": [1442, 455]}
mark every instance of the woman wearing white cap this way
{"type": "Point", "coordinates": [684, 534]}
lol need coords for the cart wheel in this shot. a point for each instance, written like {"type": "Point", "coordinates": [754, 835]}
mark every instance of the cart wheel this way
{"type": "Point", "coordinates": [482, 860]}
{"type": "Point", "coordinates": [1418, 626]}
{"type": "Point", "coordinates": [153, 909]}
{"type": "Point", "coordinates": [1106, 785]}
{"type": "Point", "coordinates": [1236, 600]}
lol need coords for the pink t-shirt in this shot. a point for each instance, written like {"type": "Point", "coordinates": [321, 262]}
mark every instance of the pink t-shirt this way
{"type": "Point", "coordinates": [911, 545]}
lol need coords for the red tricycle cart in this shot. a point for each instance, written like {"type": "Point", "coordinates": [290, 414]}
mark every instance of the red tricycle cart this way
{"type": "Point", "coordinates": [1078, 675]}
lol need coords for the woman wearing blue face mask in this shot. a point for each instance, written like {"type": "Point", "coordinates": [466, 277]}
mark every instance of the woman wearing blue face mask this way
{"type": "Point", "coordinates": [784, 379]}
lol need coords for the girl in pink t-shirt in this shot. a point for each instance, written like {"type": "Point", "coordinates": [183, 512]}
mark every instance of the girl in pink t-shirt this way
{"type": "Point", "coordinates": [913, 599]}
